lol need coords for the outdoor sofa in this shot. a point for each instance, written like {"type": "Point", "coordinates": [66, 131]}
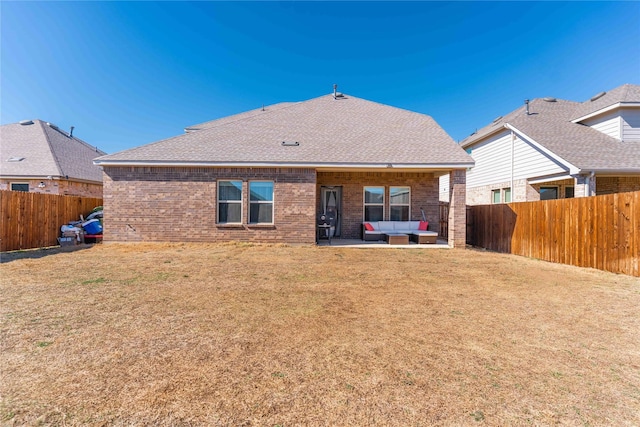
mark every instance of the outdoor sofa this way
{"type": "Point", "coordinates": [377, 230]}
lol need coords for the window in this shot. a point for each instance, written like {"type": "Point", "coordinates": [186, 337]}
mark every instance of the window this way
{"type": "Point", "coordinates": [495, 196]}
{"type": "Point", "coordinates": [569, 192]}
{"type": "Point", "coordinates": [399, 203]}
{"type": "Point", "coordinates": [229, 202]}
{"type": "Point", "coordinates": [548, 193]}
{"type": "Point", "coordinates": [261, 202]}
{"type": "Point", "coordinates": [507, 195]}
{"type": "Point", "coordinates": [373, 203]}
{"type": "Point", "coordinates": [19, 186]}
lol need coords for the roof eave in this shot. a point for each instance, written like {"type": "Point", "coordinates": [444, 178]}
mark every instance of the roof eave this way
{"type": "Point", "coordinates": [606, 110]}
{"type": "Point", "coordinates": [339, 165]}
{"type": "Point", "coordinates": [472, 141]}
{"type": "Point", "coordinates": [573, 169]}
{"type": "Point", "coordinates": [614, 172]}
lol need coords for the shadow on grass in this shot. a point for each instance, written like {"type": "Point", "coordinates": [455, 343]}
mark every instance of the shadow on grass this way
{"type": "Point", "coordinates": [39, 253]}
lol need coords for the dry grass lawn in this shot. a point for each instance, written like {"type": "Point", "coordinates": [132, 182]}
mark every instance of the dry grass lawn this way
{"type": "Point", "coordinates": [266, 335]}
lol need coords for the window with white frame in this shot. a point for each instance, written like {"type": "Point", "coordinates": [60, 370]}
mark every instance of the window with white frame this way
{"type": "Point", "coordinates": [399, 203]}
{"type": "Point", "coordinates": [507, 195]}
{"type": "Point", "coordinates": [261, 202]}
{"type": "Point", "coordinates": [373, 203]}
{"type": "Point", "coordinates": [20, 186]}
{"type": "Point", "coordinates": [495, 196]}
{"type": "Point", "coordinates": [229, 202]}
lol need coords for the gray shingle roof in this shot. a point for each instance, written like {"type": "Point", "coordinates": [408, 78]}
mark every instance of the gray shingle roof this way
{"type": "Point", "coordinates": [623, 94]}
{"type": "Point", "coordinates": [550, 125]}
{"type": "Point", "coordinates": [47, 152]}
{"type": "Point", "coordinates": [346, 130]}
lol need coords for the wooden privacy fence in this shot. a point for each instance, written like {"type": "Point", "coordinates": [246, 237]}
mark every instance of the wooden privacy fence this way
{"type": "Point", "coordinates": [33, 220]}
{"type": "Point", "coordinates": [601, 232]}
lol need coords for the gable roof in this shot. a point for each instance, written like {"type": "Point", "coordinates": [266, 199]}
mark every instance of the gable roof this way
{"type": "Point", "coordinates": [47, 151]}
{"type": "Point", "coordinates": [625, 94]}
{"type": "Point", "coordinates": [331, 132]}
{"type": "Point", "coordinates": [550, 125]}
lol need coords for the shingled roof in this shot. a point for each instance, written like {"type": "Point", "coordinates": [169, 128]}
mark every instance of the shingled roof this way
{"type": "Point", "coordinates": [46, 151]}
{"type": "Point", "coordinates": [549, 123]}
{"type": "Point", "coordinates": [338, 132]}
{"type": "Point", "coordinates": [625, 94]}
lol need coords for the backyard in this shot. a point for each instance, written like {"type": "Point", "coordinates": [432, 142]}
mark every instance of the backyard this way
{"type": "Point", "coordinates": [276, 335]}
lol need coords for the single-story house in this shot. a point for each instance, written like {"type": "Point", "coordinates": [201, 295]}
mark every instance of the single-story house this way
{"type": "Point", "coordinates": [551, 148]}
{"type": "Point", "coordinates": [267, 174]}
{"type": "Point", "coordinates": [39, 157]}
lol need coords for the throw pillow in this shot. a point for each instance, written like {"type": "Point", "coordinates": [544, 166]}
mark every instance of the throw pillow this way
{"type": "Point", "coordinates": [368, 227]}
{"type": "Point", "coordinates": [423, 225]}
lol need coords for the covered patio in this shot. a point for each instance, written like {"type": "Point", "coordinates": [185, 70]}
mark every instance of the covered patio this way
{"type": "Point", "coordinates": [380, 244]}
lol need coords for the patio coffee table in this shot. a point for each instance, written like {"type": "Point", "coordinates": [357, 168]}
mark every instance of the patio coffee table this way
{"type": "Point", "coordinates": [397, 238]}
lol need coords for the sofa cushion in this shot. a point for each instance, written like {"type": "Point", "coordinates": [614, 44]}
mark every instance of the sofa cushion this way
{"type": "Point", "coordinates": [386, 225]}
{"type": "Point", "coordinates": [425, 233]}
{"type": "Point", "coordinates": [368, 227]}
{"type": "Point", "coordinates": [423, 225]}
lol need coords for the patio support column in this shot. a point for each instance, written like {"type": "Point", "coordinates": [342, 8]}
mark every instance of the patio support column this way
{"type": "Point", "coordinates": [458, 208]}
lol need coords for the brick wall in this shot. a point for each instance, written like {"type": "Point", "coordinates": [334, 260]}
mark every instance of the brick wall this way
{"type": "Point", "coordinates": [617, 184]}
{"type": "Point", "coordinates": [457, 234]}
{"type": "Point", "coordinates": [180, 204]}
{"type": "Point", "coordinates": [522, 191]}
{"type": "Point", "coordinates": [424, 194]}
{"type": "Point", "coordinates": [57, 186]}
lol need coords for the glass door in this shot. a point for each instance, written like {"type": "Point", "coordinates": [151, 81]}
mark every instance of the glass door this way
{"type": "Point", "coordinates": [331, 199]}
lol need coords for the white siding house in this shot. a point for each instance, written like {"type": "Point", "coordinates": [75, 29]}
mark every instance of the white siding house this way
{"type": "Point", "coordinates": [630, 124]}
{"type": "Point", "coordinates": [609, 124]}
{"type": "Point", "coordinates": [553, 148]}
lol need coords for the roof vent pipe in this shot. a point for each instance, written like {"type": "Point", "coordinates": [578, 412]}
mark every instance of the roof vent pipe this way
{"type": "Point", "coordinates": [71, 132]}
{"type": "Point", "coordinates": [526, 103]}
{"type": "Point", "coordinates": [335, 91]}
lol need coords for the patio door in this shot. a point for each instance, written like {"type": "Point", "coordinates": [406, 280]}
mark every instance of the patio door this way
{"type": "Point", "coordinates": [331, 200]}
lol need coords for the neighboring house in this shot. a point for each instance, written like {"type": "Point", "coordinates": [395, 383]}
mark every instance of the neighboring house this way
{"type": "Point", "coordinates": [37, 156]}
{"type": "Point", "coordinates": [267, 174]}
{"type": "Point", "coordinates": [551, 148]}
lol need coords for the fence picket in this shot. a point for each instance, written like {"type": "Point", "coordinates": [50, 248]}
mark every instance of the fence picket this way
{"type": "Point", "coordinates": [601, 232]}
{"type": "Point", "coordinates": [33, 220]}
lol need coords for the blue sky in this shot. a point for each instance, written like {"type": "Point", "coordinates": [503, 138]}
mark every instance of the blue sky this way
{"type": "Point", "coordinates": [129, 73]}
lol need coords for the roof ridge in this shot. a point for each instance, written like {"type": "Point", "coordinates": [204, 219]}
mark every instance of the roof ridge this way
{"type": "Point", "coordinates": [51, 150]}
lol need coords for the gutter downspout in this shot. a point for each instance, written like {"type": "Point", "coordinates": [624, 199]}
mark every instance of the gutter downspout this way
{"type": "Point", "coordinates": [513, 142]}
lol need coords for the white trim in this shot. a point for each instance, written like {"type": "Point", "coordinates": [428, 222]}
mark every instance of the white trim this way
{"type": "Point", "coordinates": [550, 179]}
{"type": "Point", "coordinates": [462, 165]}
{"type": "Point", "coordinates": [606, 109]}
{"type": "Point", "coordinates": [573, 170]}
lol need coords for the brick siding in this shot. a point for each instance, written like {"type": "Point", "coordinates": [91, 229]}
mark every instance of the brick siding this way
{"type": "Point", "coordinates": [522, 191]}
{"type": "Point", "coordinates": [57, 186]}
{"type": "Point", "coordinates": [457, 234]}
{"type": "Point", "coordinates": [617, 184]}
{"type": "Point", "coordinates": [180, 204]}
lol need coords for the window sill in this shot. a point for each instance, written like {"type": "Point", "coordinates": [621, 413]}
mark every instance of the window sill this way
{"type": "Point", "coordinates": [262, 226]}
{"type": "Point", "coordinates": [238, 226]}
